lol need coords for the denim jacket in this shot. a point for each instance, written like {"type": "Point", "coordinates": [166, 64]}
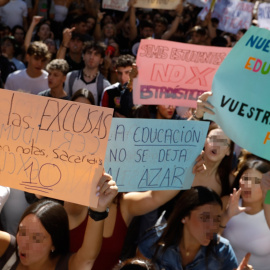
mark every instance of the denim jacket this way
{"type": "Point", "coordinates": [224, 258]}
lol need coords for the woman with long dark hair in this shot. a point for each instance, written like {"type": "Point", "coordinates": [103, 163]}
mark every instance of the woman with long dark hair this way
{"type": "Point", "coordinates": [42, 240]}
{"type": "Point", "coordinates": [189, 239]}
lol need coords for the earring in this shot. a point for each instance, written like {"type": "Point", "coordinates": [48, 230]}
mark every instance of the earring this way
{"type": "Point", "coordinates": [183, 220]}
{"type": "Point", "coordinates": [52, 250]}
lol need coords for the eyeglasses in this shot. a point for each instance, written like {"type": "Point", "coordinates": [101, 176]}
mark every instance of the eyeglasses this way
{"type": "Point", "coordinates": [216, 140]}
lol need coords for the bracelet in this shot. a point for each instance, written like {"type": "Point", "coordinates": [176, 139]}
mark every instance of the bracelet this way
{"type": "Point", "coordinates": [64, 46]}
{"type": "Point", "coordinates": [97, 216]}
{"type": "Point", "coordinates": [223, 227]}
{"type": "Point", "coordinates": [196, 118]}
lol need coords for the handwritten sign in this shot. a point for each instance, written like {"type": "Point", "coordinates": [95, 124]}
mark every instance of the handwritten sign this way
{"type": "Point", "coordinates": [232, 14]}
{"type": "Point", "coordinates": [145, 154]}
{"type": "Point", "coordinates": [267, 197]}
{"type": "Point", "coordinates": [52, 147]}
{"type": "Point", "coordinates": [174, 73]}
{"type": "Point", "coordinates": [264, 15]}
{"type": "Point", "coordinates": [157, 4]}
{"type": "Point", "coordinates": [121, 5]}
{"type": "Point", "coordinates": [241, 93]}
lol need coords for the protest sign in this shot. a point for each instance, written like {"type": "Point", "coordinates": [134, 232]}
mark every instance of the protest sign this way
{"type": "Point", "coordinates": [145, 154]}
{"type": "Point", "coordinates": [157, 4]}
{"type": "Point", "coordinates": [52, 147]}
{"type": "Point", "coordinates": [232, 14]}
{"type": "Point", "coordinates": [174, 73]}
{"type": "Point", "coordinates": [198, 3]}
{"type": "Point", "coordinates": [267, 197]}
{"type": "Point", "coordinates": [264, 15]}
{"type": "Point", "coordinates": [121, 5]}
{"type": "Point", "coordinates": [241, 93]}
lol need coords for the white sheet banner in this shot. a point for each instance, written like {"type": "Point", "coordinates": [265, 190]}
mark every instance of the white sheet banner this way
{"type": "Point", "coordinates": [264, 15]}
{"type": "Point", "coordinates": [121, 5]}
{"type": "Point", "coordinates": [157, 4]}
{"type": "Point", "coordinates": [232, 14]}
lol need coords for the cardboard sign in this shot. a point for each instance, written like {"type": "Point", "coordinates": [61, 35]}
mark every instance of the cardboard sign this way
{"type": "Point", "coordinates": [241, 93]}
{"type": "Point", "coordinates": [52, 147]}
{"type": "Point", "coordinates": [121, 5]}
{"type": "Point", "coordinates": [174, 73]}
{"type": "Point", "coordinates": [232, 14]}
{"type": "Point", "coordinates": [157, 4]}
{"type": "Point", "coordinates": [145, 154]}
{"type": "Point", "coordinates": [264, 15]}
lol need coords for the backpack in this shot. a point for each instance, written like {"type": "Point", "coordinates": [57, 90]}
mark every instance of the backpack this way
{"type": "Point", "coordinates": [74, 74]}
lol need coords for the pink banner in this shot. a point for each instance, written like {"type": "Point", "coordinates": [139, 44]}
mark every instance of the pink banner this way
{"type": "Point", "coordinates": [174, 73]}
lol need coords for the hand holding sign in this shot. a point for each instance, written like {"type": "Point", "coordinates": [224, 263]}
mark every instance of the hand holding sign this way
{"type": "Point", "coordinates": [240, 109]}
{"type": "Point", "coordinates": [106, 191]}
{"type": "Point", "coordinates": [244, 263]}
{"type": "Point", "coordinates": [203, 105]}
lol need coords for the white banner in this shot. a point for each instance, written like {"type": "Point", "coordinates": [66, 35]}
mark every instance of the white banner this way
{"type": "Point", "coordinates": [121, 5]}
{"type": "Point", "coordinates": [157, 4]}
{"type": "Point", "coordinates": [232, 14]}
{"type": "Point", "coordinates": [264, 15]}
{"type": "Point", "coordinates": [198, 3]}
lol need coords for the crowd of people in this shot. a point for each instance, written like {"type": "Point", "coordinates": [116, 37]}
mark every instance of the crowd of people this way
{"type": "Point", "coordinates": [75, 50]}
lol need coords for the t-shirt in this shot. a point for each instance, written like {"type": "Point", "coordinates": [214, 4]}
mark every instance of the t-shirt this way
{"type": "Point", "coordinates": [43, 6]}
{"type": "Point", "coordinates": [20, 80]}
{"type": "Point", "coordinates": [47, 93]}
{"type": "Point", "coordinates": [13, 13]}
{"type": "Point", "coordinates": [250, 233]}
{"type": "Point", "coordinates": [80, 83]}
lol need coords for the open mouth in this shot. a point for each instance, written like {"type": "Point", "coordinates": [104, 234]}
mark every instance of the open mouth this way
{"type": "Point", "coordinates": [22, 255]}
{"type": "Point", "coordinates": [246, 193]}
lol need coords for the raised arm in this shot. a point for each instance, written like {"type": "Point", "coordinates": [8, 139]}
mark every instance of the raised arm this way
{"type": "Point", "coordinates": [132, 20]}
{"type": "Point", "coordinates": [29, 33]}
{"type": "Point", "coordinates": [202, 106]}
{"type": "Point", "coordinates": [67, 34]}
{"type": "Point", "coordinates": [85, 257]}
{"type": "Point", "coordinates": [97, 31]}
{"type": "Point", "coordinates": [140, 203]}
{"type": "Point", "coordinates": [232, 209]}
{"type": "Point", "coordinates": [179, 9]}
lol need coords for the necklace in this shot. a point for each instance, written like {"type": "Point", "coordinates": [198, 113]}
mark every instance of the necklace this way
{"type": "Point", "coordinates": [187, 253]}
{"type": "Point", "coordinates": [91, 77]}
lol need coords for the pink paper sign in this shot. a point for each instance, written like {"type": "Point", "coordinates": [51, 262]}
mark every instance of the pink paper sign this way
{"type": "Point", "coordinates": [174, 73]}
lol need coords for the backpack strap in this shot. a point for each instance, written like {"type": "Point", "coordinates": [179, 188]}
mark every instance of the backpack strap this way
{"type": "Point", "coordinates": [72, 78]}
{"type": "Point", "coordinates": [100, 87]}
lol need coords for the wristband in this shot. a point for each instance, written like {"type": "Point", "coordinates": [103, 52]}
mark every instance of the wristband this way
{"type": "Point", "coordinates": [97, 216]}
{"type": "Point", "coordinates": [196, 118]}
